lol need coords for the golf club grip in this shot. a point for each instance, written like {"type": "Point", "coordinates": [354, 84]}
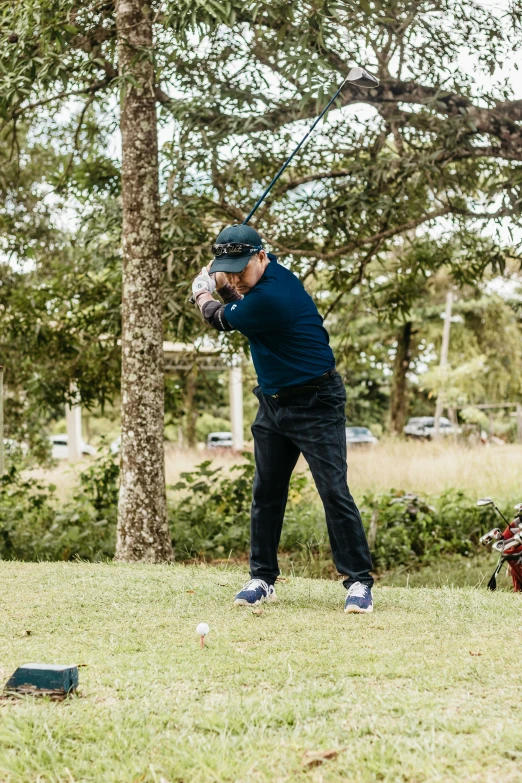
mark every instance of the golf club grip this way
{"type": "Point", "coordinates": [287, 162]}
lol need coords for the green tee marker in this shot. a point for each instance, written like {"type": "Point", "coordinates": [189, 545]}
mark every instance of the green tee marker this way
{"type": "Point", "coordinates": [40, 678]}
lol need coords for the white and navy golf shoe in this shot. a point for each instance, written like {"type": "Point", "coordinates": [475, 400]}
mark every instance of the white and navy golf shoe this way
{"type": "Point", "coordinates": [359, 599]}
{"type": "Point", "coordinates": [255, 592]}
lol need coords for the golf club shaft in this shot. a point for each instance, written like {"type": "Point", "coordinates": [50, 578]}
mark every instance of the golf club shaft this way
{"type": "Point", "coordinates": [501, 514]}
{"type": "Point", "coordinates": [287, 162]}
{"type": "Point", "coordinates": [283, 167]}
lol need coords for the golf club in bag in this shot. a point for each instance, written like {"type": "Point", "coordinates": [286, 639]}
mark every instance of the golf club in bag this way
{"type": "Point", "coordinates": [507, 543]}
{"type": "Point", "coordinates": [357, 76]}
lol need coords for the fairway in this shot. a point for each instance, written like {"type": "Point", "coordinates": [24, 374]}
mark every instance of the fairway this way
{"type": "Point", "coordinates": [425, 689]}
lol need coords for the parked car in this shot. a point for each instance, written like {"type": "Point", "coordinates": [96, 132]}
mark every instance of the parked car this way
{"type": "Point", "coordinates": [116, 445]}
{"type": "Point", "coordinates": [60, 447]}
{"type": "Point", "coordinates": [424, 427]}
{"type": "Point", "coordinates": [360, 436]}
{"type": "Point", "coordinates": [219, 440]}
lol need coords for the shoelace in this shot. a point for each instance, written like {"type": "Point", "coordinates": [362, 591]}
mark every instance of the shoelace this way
{"type": "Point", "coordinates": [358, 590]}
{"type": "Point", "coordinates": [252, 584]}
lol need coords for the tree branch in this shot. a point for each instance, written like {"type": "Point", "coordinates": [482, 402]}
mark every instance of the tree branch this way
{"type": "Point", "coordinates": [499, 121]}
{"type": "Point", "coordinates": [382, 235]}
{"type": "Point", "coordinates": [93, 88]}
{"type": "Point", "coordinates": [294, 183]}
{"type": "Point", "coordinates": [358, 277]}
{"type": "Point", "coordinates": [77, 135]}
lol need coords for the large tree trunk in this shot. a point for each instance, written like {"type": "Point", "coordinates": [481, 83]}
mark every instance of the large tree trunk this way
{"type": "Point", "coordinates": [398, 397]}
{"type": "Point", "coordinates": [143, 532]}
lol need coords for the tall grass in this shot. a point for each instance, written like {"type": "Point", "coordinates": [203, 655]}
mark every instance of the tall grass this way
{"type": "Point", "coordinates": [433, 467]}
{"type": "Point", "coordinates": [408, 465]}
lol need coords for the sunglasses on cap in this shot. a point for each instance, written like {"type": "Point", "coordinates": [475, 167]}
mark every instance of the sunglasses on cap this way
{"type": "Point", "coordinates": [235, 249]}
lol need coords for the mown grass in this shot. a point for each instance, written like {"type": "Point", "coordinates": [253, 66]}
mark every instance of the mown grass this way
{"type": "Point", "coordinates": [425, 689]}
{"type": "Point", "coordinates": [451, 571]}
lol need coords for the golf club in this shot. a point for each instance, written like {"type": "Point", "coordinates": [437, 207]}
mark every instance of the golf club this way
{"type": "Point", "coordinates": [509, 544]}
{"type": "Point", "coordinates": [358, 76]}
{"type": "Point", "coordinates": [490, 502]}
{"type": "Point", "coordinates": [493, 535]}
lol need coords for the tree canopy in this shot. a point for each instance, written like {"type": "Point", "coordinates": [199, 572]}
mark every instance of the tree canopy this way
{"type": "Point", "coordinates": [399, 182]}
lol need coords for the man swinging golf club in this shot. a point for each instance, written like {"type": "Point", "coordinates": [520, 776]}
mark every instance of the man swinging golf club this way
{"type": "Point", "coordinates": [301, 407]}
{"type": "Point", "coordinates": [301, 396]}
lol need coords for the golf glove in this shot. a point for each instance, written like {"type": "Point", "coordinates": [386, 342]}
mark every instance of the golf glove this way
{"type": "Point", "coordinates": [203, 282]}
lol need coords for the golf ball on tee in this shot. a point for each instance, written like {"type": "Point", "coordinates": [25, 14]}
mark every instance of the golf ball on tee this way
{"type": "Point", "coordinates": [202, 629]}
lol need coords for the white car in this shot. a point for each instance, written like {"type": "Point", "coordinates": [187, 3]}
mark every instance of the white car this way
{"type": "Point", "coordinates": [360, 436]}
{"type": "Point", "coordinates": [60, 447]}
{"type": "Point", "coordinates": [424, 427]}
{"type": "Point", "coordinates": [219, 440]}
{"type": "Point", "coordinates": [115, 446]}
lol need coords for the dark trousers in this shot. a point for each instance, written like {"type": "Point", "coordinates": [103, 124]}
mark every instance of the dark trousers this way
{"type": "Point", "coordinates": [312, 424]}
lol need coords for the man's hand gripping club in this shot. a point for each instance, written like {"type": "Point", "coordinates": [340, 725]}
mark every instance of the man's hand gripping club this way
{"type": "Point", "coordinates": [204, 282]}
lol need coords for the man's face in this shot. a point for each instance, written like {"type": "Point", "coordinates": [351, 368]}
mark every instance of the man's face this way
{"type": "Point", "coordinates": [251, 274]}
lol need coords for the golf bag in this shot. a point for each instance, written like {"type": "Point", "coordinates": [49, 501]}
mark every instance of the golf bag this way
{"type": "Point", "coordinates": [513, 559]}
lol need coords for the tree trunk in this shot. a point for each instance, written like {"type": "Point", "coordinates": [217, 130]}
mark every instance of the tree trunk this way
{"type": "Point", "coordinates": [398, 397]}
{"type": "Point", "coordinates": [143, 532]}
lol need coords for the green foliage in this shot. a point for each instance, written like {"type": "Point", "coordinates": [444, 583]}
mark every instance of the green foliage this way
{"type": "Point", "coordinates": [417, 530]}
{"type": "Point", "coordinates": [211, 520]}
{"type": "Point", "coordinates": [209, 513]}
{"type": "Point", "coordinates": [236, 81]}
{"type": "Point", "coordinates": [211, 516]}
{"type": "Point", "coordinates": [99, 485]}
{"type": "Point", "coordinates": [36, 525]}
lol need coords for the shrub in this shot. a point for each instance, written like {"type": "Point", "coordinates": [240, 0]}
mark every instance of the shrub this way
{"type": "Point", "coordinates": [414, 529]}
{"type": "Point", "coordinates": [209, 516]}
{"type": "Point", "coordinates": [35, 525]}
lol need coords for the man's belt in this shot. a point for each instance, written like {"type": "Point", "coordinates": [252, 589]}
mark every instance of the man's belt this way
{"type": "Point", "coordinates": [309, 386]}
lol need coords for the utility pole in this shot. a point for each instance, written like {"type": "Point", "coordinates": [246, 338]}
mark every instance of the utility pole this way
{"type": "Point", "coordinates": [443, 359]}
{"type": "Point", "coordinates": [1, 421]}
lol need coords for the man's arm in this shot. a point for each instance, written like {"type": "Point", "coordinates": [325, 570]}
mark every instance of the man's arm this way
{"type": "Point", "coordinates": [229, 294]}
{"type": "Point", "coordinates": [213, 312]}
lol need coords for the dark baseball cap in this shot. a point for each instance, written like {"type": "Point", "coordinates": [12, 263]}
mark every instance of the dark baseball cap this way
{"type": "Point", "coordinates": [235, 259]}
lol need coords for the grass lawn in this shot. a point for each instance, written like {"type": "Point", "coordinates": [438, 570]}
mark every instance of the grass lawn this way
{"type": "Point", "coordinates": [425, 689]}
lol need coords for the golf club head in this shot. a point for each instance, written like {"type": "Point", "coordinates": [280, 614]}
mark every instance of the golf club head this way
{"type": "Point", "coordinates": [493, 535]}
{"type": "Point", "coordinates": [362, 78]}
{"type": "Point", "coordinates": [485, 502]}
{"type": "Point", "coordinates": [504, 547]}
